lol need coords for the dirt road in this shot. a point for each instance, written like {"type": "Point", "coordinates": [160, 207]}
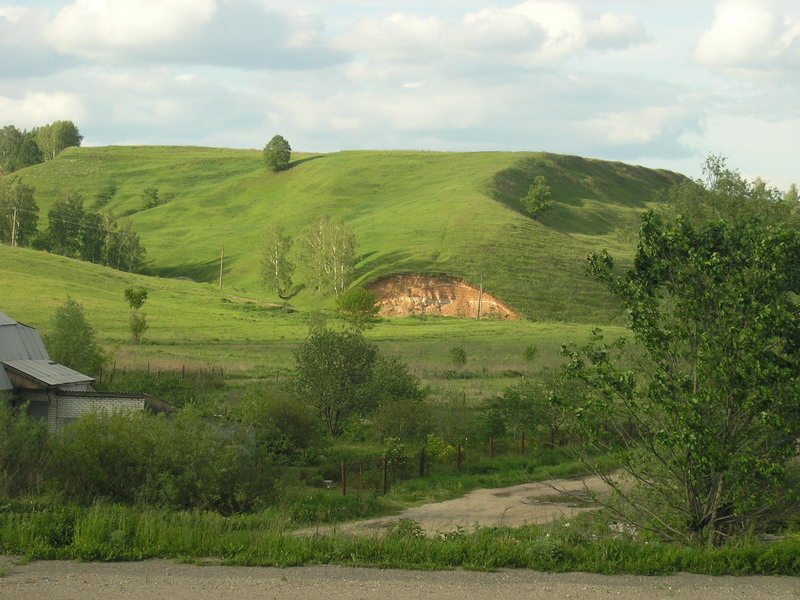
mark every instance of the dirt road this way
{"type": "Point", "coordinates": [529, 503]}
{"type": "Point", "coordinates": [163, 580]}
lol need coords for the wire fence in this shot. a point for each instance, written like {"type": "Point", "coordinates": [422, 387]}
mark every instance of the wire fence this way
{"type": "Point", "coordinates": [378, 474]}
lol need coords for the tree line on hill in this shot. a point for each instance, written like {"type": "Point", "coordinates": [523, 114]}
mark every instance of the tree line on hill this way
{"type": "Point", "coordinates": [72, 230]}
{"type": "Point", "coordinates": [22, 148]}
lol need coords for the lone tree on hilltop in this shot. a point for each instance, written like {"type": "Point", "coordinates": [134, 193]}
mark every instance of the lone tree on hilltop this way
{"type": "Point", "coordinates": [277, 153]}
{"type": "Point", "coordinates": [538, 202]}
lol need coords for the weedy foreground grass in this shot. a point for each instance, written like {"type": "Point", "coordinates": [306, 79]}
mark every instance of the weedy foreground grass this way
{"type": "Point", "coordinates": [112, 533]}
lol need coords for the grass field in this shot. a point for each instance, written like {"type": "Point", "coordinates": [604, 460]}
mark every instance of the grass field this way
{"type": "Point", "coordinates": [195, 325]}
{"type": "Point", "coordinates": [412, 212]}
{"type": "Point", "coordinates": [458, 214]}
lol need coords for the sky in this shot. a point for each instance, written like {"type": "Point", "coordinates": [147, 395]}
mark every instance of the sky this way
{"type": "Point", "coordinates": [661, 83]}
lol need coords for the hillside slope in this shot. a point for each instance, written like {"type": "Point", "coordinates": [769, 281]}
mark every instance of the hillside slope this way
{"type": "Point", "coordinates": [412, 213]}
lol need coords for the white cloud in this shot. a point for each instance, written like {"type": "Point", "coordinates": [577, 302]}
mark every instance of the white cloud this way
{"type": "Point", "coordinates": [99, 28]}
{"type": "Point", "coordinates": [236, 33]}
{"type": "Point", "coordinates": [33, 109]}
{"type": "Point", "coordinates": [637, 127]}
{"type": "Point", "coordinates": [23, 49]}
{"type": "Point", "coordinates": [406, 110]}
{"type": "Point", "coordinates": [530, 34]}
{"type": "Point", "coordinates": [750, 34]}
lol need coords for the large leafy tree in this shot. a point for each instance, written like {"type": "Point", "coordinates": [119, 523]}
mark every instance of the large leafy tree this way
{"type": "Point", "coordinates": [123, 250]}
{"type": "Point", "coordinates": [705, 409]}
{"type": "Point", "coordinates": [334, 374]}
{"type": "Point", "coordinates": [277, 153]}
{"type": "Point", "coordinates": [18, 149]}
{"type": "Point", "coordinates": [92, 236]}
{"type": "Point", "coordinates": [723, 194]}
{"type": "Point", "coordinates": [19, 213]}
{"type": "Point", "coordinates": [64, 229]}
{"type": "Point", "coordinates": [72, 341]}
{"type": "Point", "coordinates": [56, 136]}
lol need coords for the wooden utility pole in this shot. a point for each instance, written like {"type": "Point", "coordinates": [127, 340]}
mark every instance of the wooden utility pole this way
{"type": "Point", "coordinates": [480, 299]}
{"type": "Point", "coordinates": [14, 228]}
{"type": "Point", "coordinates": [221, 264]}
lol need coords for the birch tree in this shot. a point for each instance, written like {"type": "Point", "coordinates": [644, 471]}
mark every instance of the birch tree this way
{"type": "Point", "coordinates": [328, 251]}
{"type": "Point", "coordinates": [276, 268]}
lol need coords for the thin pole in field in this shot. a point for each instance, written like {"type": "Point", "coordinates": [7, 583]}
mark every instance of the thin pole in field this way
{"type": "Point", "coordinates": [221, 263]}
{"type": "Point", "coordinates": [480, 299]}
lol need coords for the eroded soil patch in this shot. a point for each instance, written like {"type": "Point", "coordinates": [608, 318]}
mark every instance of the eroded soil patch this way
{"type": "Point", "coordinates": [404, 295]}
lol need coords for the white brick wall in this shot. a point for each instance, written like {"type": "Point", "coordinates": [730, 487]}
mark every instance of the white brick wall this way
{"type": "Point", "coordinates": [64, 409]}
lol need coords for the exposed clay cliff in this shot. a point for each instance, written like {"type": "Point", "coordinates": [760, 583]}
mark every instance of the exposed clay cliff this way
{"type": "Point", "coordinates": [404, 295]}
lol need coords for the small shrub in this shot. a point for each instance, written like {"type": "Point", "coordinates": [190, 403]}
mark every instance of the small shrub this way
{"type": "Point", "coordinates": [406, 529]}
{"type": "Point", "coordinates": [458, 355]}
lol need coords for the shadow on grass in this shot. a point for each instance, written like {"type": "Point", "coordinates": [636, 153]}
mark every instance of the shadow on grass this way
{"type": "Point", "coordinates": [300, 161]}
{"type": "Point", "coordinates": [374, 266]}
{"type": "Point", "coordinates": [200, 271]}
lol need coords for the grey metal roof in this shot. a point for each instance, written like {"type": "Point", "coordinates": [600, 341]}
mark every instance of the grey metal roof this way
{"type": "Point", "coordinates": [46, 372]}
{"type": "Point", "coordinates": [18, 341]}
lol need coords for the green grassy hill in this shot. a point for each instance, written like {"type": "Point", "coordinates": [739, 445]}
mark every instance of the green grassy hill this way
{"type": "Point", "coordinates": [412, 212]}
{"type": "Point", "coordinates": [194, 325]}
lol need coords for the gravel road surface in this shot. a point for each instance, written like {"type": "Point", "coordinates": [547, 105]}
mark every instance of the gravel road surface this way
{"type": "Point", "coordinates": [164, 580]}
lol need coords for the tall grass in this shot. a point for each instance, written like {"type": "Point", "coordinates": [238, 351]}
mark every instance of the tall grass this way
{"type": "Point", "coordinates": [111, 532]}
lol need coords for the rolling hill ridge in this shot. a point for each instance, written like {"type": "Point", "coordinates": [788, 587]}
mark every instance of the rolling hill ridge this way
{"type": "Point", "coordinates": [454, 214]}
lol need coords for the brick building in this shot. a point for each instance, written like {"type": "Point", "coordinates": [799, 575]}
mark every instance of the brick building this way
{"type": "Point", "coordinates": [52, 392]}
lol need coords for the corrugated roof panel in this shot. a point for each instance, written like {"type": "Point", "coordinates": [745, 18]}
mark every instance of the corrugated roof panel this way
{"type": "Point", "coordinates": [18, 341]}
{"type": "Point", "coordinates": [47, 372]}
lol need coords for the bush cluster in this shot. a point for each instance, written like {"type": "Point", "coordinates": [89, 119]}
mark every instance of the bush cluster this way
{"type": "Point", "coordinates": [188, 461]}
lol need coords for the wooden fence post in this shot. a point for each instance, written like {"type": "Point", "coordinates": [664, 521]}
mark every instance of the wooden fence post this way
{"type": "Point", "coordinates": [522, 443]}
{"type": "Point", "coordinates": [458, 458]}
{"type": "Point", "coordinates": [491, 447]}
{"type": "Point", "coordinates": [343, 475]}
{"type": "Point", "coordinates": [422, 462]}
{"type": "Point", "coordinates": [385, 474]}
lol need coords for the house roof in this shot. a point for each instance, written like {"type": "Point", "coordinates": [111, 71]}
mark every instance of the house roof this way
{"type": "Point", "coordinates": [46, 372]}
{"type": "Point", "coordinates": [19, 341]}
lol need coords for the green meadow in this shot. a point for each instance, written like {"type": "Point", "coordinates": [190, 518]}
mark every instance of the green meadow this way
{"type": "Point", "coordinates": [456, 214]}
